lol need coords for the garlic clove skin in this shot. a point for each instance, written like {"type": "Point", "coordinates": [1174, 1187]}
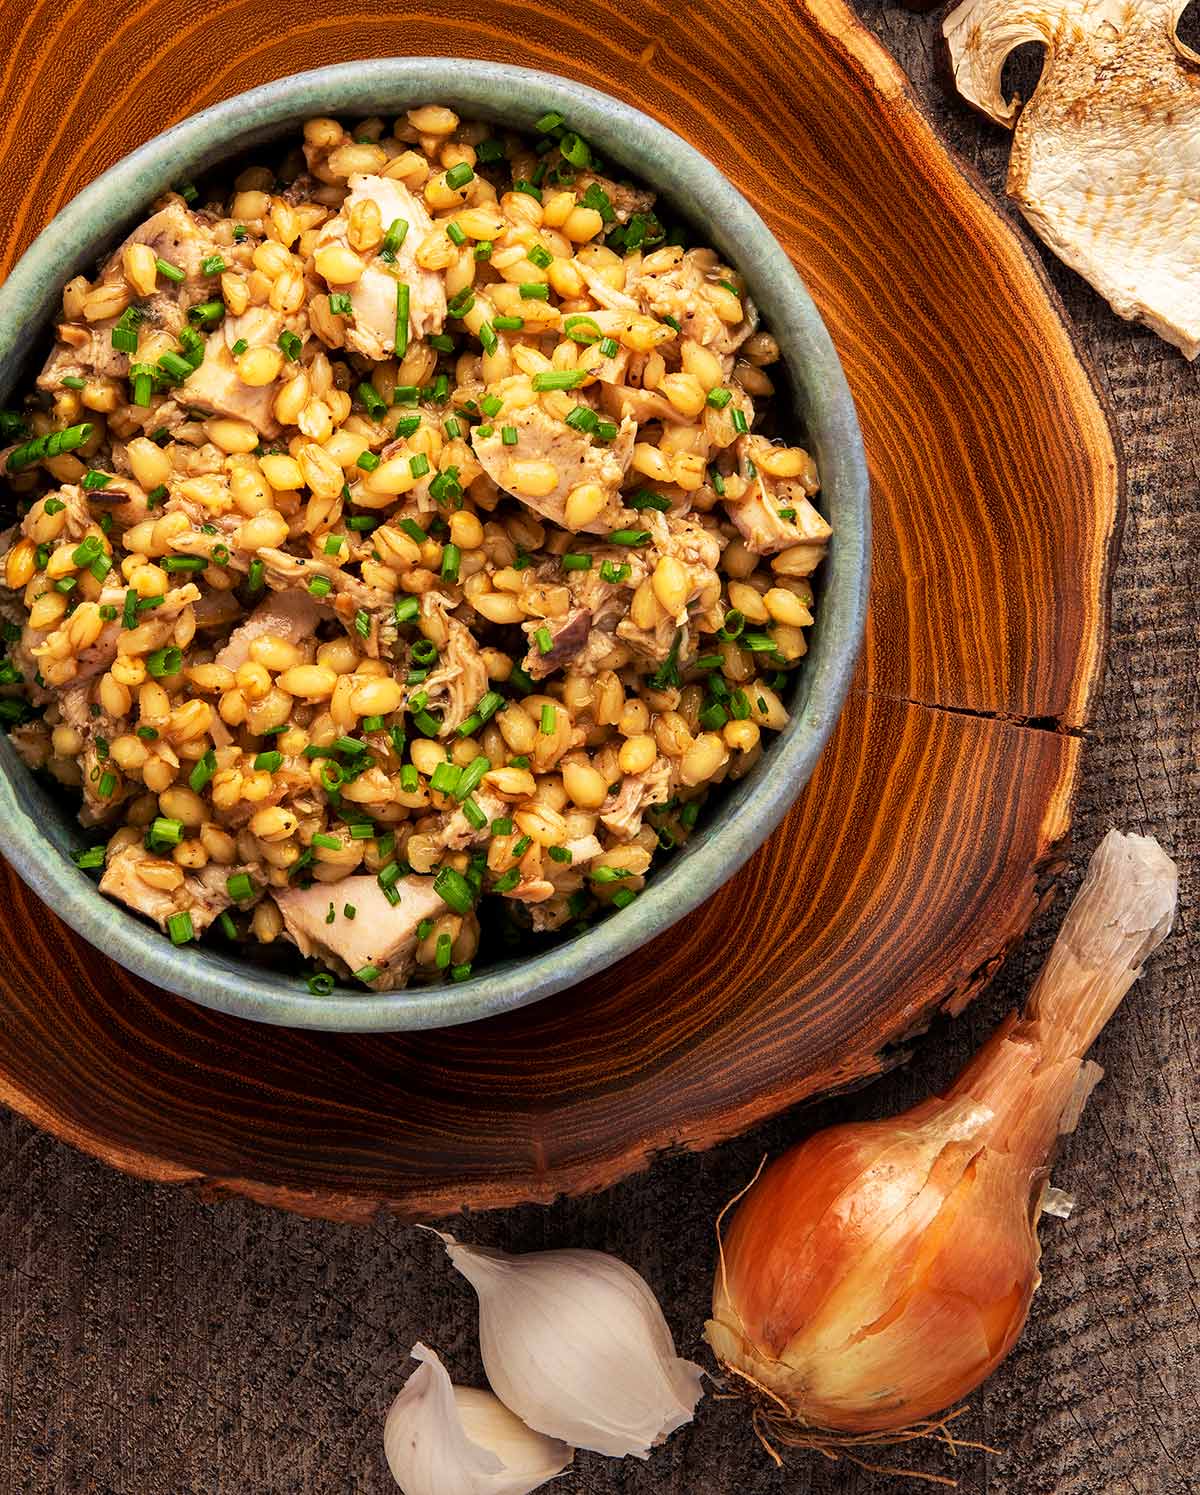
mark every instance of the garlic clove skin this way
{"type": "Point", "coordinates": [442, 1439]}
{"type": "Point", "coordinates": [576, 1344]}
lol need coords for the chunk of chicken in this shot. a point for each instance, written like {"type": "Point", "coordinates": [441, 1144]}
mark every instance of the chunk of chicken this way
{"type": "Point", "coordinates": [347, 597]}
{"type": "Point", "coordinates": [587, 646]}
{"type": "Point", "coordinates": [577, 460]}
{"type": "Point", "coordinates": [461, 678]}
{"type": "Point", "coordinates": [626, 199]}
{"type": "Point", "coordinates": [215, 386]}
{"type": "Point", "coordinates": [603, 294]}
{"type": "Point", "coordinates": [683, 292]}
{"type": "Point", "coordinates": [622, 812]}
{"type": "Point", "coordinates": [175, 235]}
{"type": "Point", "coordinates": [77, 514]}
{"type": "Point", "coordinates": [757, 514]}
{"type": "Point", "coordinates": [201, 894]}
{"type": "Point", "coordinates": [372, 330]}
{"type": "Point", "coordinates": [381, 934]}
{"type": "Point", "coordinates": [290, 615]}
{"type": "Point", "coordinates": [456, 832]}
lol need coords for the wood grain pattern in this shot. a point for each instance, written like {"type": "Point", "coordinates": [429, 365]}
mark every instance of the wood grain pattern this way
{"type": "Point", "coordinates": [918, 853]}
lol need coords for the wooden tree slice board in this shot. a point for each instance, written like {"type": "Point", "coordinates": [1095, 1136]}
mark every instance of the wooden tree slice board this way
{"type": "Point", "coordinates": [915, 857]}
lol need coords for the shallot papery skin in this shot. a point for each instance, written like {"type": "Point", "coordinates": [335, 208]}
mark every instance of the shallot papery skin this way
{"type": "Point", "coordinates": [879, 1271]}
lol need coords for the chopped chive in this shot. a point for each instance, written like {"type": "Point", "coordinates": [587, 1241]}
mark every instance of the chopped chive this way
{"type": "Point", "coordinates": [483, 250]}
{"type": "Point", "coordinates": [455, 235]}
{"type": "Point", "coordinates": [406, 394]}
{"type": "Point", "coordinates": [577, 560]}
{"type": "Point", "coordinates": [609, 347]}
{"type": "Point", "coordinates": [169, 271]}
{"type": "Point", "coordinates": [534, 290]}
{"type": "Point", "coordinates": [214, 264]}
{"type": "Point", "coordinates": [540, 256]}
{"type": "Point", "coordinates": [239, 887]}
{"type": "Point", "coordinates": [549, 719]}
{"type": "Point", "coordinates": [269, 761]}
{"type": "Point", "coordinates": [441, 957]}
{"type": "Point", "coordinates": [575, 150]}
{"type": "Point", "coordinates": [445, 778]}
{"type": "Point", "coordinates": [418, 465]}
{"type": "Point", "coordinates": [615, 574]}
{"type": "Point", "coordinates": [320, 586]}
{"type": "Point", "coordinates": [407, 425]}
{"type": "Point", "coordinates": [340, 304]}
{"type": "Point", "coordinates": [508, 435]}
{"type": "Point", "coordinates": [739, 422]}
{"type": "Point", "coordinates": [528, 188]}
{"type": "Point", "coordinates": [254, 577]}
{"type": "Point", "coordinates": [372, 403]}
{"type": "Point", "coordinates": [392, 240]}
{"type": "Point", "coordinates": [452, 427]}
{"type": "Point", "coordinates": [458, 176]}
{"type": "Point", "coordinates": [290, 346]}
{"type": "Point", "coordinates": [72, 381]}
{"type": "Point", "coordinates": [454, 890]}
{"type": "Point", "coordinates": [508, 882]}
{"type": "Point", "coordinates": [549, 122]}
{"type": "Point", "coordinates": [203, 770]}
{"type": "Point", "coordinates": [93, 856]}
{"type": "Point", "coordinates": [459, 306]}
{"type": "Point", "coordinates": [206, 312]}
{"type": "Point", "coordinates": [719, 398]}
{"type": "Point", "coordinates": [508, 324]}
{"type": "Point", "coordinates": [440, 341]}
{"type": "Point", "coordinates": [407, 609]}
{"type": "Point", "coordinates": [362, 522]}
{"type": "Point", "coordinates": [179, 927]}
{"type": "Point", "coordinates": [606, 430]}
{"type": "Point", "coordinates": [183, 563]}
{"type": "Point", "coordinates": [582, 329]}
{"type": "Point", "coordinates": [623, 897]}
{"type": "Point", "coordinates": [403, 296]}
{"type": "Point", "coordinates": [162, 662]}
{"type": "Point", "coordinates": [543, 640]}
{"type": "Point", "coordinates": [362, 623]}
{"type": "Point", "coordinates": [645, 498]}
{"type": "Point", "coordinates": [451, 558]}
{"type": "Point", "coordinates": [596, 197]}
{"type": "Point", "coordinates": [717, 481]}
{"type": "Point", "coordinates": [560, 854]}
{"type": "Point", "coordinates": [475, 817]}
{"type": "Point", "coordinates": [367, 974]}
{"type": "Point", "coordinates": [629, 536]}
{"type": "Point", "coordinates": [165, 831]}
{"type": "Point", "coordinates": [559, 379]}
{"type": "Point", "coordinates": [488, 338]}
{"type": "Point", "coordinates": [320, 983]}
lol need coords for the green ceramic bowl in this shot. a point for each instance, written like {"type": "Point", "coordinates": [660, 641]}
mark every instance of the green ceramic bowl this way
{"type": "Point", "coordinates": [38, 830]}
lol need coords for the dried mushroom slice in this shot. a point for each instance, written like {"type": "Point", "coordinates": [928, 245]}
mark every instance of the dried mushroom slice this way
{"type": "Point", "coordinates": [1104, 164]}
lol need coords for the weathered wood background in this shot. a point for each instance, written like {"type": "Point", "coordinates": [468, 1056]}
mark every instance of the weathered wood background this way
{"type": "Point", "coordinates": [151, 1344]}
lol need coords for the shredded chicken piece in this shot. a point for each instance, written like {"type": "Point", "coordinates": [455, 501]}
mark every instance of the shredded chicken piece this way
{"type": "Point", "coordinates": [201, 894]}
{"type": "Point", "coordinates": [215, 386]}
{"type": "Point", "coordinates": [454, 688]}
{"type": "Point", "coordinates": [372, 329]}
{"type": "Point", "coordinates": [381, 934]}
{"type": "Point", "coordinates": [578, 460]}
{"type": "Point", "coordinates": [682, 293]}
{"type": "Point", "coordinates": [757, 515]}
{"type": "Point", "coordinates": [347, 596]}
{"type": "Point", "coordinates": [292, 616]}
{"type": "Point", "coordinates": [622, 812]}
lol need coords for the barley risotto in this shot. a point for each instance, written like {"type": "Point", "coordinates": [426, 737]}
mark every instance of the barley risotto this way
{"type": "Point", "coordinates": [401, 538]}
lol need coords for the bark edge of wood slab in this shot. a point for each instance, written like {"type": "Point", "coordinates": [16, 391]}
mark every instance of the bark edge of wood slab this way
{"type": "Point", "coordinates": [921, 847]}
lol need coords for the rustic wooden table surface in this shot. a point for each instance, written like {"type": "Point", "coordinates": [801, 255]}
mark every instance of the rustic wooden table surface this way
{"type": "Point", "coordinates": [153, 1344]}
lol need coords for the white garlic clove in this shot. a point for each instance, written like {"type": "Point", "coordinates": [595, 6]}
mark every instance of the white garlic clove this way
{"type": "Point", "coordinates": [576, 1344]}
{"type": "Point", "coordinates": [442, 1439]}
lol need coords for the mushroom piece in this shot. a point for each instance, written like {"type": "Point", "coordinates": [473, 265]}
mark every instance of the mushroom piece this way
{"type": "Point", "coordinates": [1104, 164]}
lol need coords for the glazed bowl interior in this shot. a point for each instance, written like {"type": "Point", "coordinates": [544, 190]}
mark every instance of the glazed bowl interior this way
{"type": "Point", "coordinates": [38, 830]}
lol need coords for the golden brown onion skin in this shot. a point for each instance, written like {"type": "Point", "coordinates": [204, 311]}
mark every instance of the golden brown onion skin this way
{"type": "Point", "coordinates": [879, 1271]}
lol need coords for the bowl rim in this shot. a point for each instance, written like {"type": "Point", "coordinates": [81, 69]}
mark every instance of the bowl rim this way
{"type": "Point", "coordinates": [649, 151]}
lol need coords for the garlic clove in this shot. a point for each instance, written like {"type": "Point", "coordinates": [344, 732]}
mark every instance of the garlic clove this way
{"type": "Point", "coordinates": [442, 1439]}
{"type": "Point", "coordinates": [576, 1344]}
